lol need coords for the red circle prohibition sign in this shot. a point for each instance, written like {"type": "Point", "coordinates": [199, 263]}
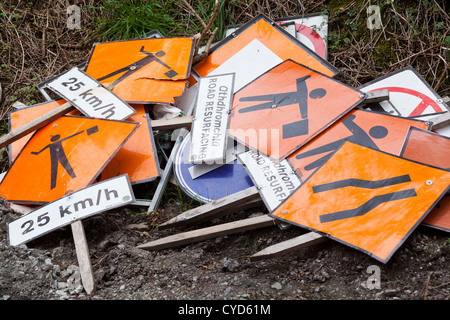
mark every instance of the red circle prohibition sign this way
{"type": "Point", "coordinates": [314, 37]}
{"type": "Point", "coordinates": [424, 103]}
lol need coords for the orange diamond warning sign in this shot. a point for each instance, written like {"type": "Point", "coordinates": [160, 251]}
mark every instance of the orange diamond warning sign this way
{"type": "Point", "coordinates": [144, 70]}
{"type": "Point", "coordinates": [365, 198]}
{"type": "Point", "coordinates": [64, 156]}
{"type": "Point", "coordinates": [286, 107]}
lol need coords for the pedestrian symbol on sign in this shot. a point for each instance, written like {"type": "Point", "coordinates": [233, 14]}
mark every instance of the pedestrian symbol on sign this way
{"type": "Point", "coordinates": [58, 156]}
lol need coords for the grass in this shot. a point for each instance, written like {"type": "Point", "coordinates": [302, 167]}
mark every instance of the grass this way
{"type": "Point", "coordinates": [124, 20]}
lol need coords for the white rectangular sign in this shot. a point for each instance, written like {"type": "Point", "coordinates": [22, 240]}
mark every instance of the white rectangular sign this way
{"type": "Point", "coordinates": [100, 197]}
{"type": "Point", "coordinates": [275, 181]}
{"type": "Point", "coordinates": [211, 118]}
{"type": "Point", "coordinates": [90, 96]}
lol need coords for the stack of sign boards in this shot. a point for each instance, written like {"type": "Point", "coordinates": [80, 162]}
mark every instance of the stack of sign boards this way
{"type": "Point", "coordinates": [319, 153]}
{"type": "Point", "coordinates": [270, 122]}
{"type": "Point", "coordinates": [82, 152]}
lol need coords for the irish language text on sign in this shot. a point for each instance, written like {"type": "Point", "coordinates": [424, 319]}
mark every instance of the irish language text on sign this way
{"type": "Point", "coordinates": [275, 181]}
{"type": "Point", "coordinates": [100, 197]}
{"type": "Point", "coordinates": [212, 114]}
{"type": "Point", "coordinates": [89, 96]}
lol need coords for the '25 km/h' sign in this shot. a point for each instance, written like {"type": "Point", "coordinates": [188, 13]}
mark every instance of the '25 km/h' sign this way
{"type": "Point", "coordinates": [89, 96]}
{"type": "Point", "coordinates": [100, 197]}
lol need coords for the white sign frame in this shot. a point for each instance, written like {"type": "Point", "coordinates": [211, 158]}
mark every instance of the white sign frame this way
{"type": "Point", "coordinates": [90, 96]}
{"type": "Point", "coordinates": [268, 179]}
{"type": "Point", "coordinates": [211, 119]}
{"type": "Point", "coordinates": [94, 199]}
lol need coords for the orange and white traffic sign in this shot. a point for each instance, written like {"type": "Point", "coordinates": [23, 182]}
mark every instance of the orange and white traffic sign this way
{"type": "Point", "coordinates": [254, 48]}
{"type": "Point", "coordinates": [143, 70]}
{"type": "Point", "coordinates": [379, 131]}
{"type": "Point", "coordinates": [22, 116]}
{"type": "Point", "coordinates": [64, 156]}
{"type": "Point", "coordinates": [286, 107]}
{"type": "Point", "coordinates": [365, 198]}
{"type": "Point", "coordinates": [138, 157]}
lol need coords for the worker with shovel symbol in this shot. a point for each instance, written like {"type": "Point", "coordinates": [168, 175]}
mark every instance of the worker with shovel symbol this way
{"type": "Point", "coordinates": [132, 68]}
{"type": "Point", "coordinates": [299, 97]}
{"type": "Point", "coordinates": [358, 136]}
{"type": "Point", "coordinates": [58, 156]}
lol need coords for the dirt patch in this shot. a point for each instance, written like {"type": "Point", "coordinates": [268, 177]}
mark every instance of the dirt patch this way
{"type": "Point", "coordinates": [217, 268]}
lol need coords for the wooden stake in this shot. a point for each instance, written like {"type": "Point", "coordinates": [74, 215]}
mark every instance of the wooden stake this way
{"type": "Point", "coordinates": [173, 123]}
{"type": "Point", "coordinates": [84, 262]}
{"type": "Point", "coordinates": [212, 209]}
{"type": "Point", "coordinates": [81, 247]}
{"type": "Point", "coordinates": [35, 124]}
{"type": "Point", "coordinates": [288, 246]}
{"type": "Point", "coordinates": [209, 232]}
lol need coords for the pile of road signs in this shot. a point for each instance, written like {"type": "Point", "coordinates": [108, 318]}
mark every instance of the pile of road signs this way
{"type": "Point", "coordinates": [269, 120]}
{"type": "Point", "coordinates": [321, 155]}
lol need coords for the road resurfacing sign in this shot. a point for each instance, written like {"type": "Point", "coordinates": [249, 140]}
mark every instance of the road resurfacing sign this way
{"type": "Point", "coordinates": [100, 197]}
{"type": "Point", "coordinates": [409, 95]}
{"type": "Point", "coordinates": [366, 199]}
{"type": "Point", "coordinates": [89, 96]}
{"type": "Point", "coordinates": [286, 107]}
{"type": "Point", "coordinates": [378, 131]}
{"type": "Point", "coordinates": [64, 156]}
{"type": "Point", "coordinates": [256, 47]}
{"type": "Point", "coordinates": [220, 182]}
{"type": "Point", "coordinates": [143, 70]}
{"type": "Point", "coordinates": [211, 118]}
{"type": "Point", "coordinates": [275, 181]}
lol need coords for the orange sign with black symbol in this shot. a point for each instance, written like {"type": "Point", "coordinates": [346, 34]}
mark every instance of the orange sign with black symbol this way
{"type": "Point", "coordinates": [288, 106]}
{"type": "Point", "coordinates": [143, 71]}
{"type": "Point", "coordinates": [378, 131]}
{"type": "Point", "coordinates": [66, 155]}
{"type": "Point", "coordinates": [365, 198]}
{"type": "Point", "coordinates": [434, 150]}
{"type": "Point", "coordinates": [138, 157]}
{"type": "Point", "coordinates": [22, 116]}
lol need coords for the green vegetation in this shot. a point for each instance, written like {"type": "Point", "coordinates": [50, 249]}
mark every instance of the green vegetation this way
{"type": "Point", "coordinates": [120, 20]}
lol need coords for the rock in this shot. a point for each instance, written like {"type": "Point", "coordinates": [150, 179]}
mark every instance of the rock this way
{"type": "Point", "coordinates": [276, 285]}
{"type": "Point", "coordinates": [390, 292]}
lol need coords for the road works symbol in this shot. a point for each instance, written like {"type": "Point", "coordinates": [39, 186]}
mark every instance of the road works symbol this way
{"type": "Point", "coordinates": [358, 136]}
{"type": "Point", "coordinates": [299, 97]}
{"type": "Point", "coordinates": [132, 68]}
{"type": "Point", "coordinates": [58, 156]}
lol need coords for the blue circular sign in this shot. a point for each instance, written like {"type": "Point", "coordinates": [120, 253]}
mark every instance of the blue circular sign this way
{"type": "Point", "coordinates": [216, 184]}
